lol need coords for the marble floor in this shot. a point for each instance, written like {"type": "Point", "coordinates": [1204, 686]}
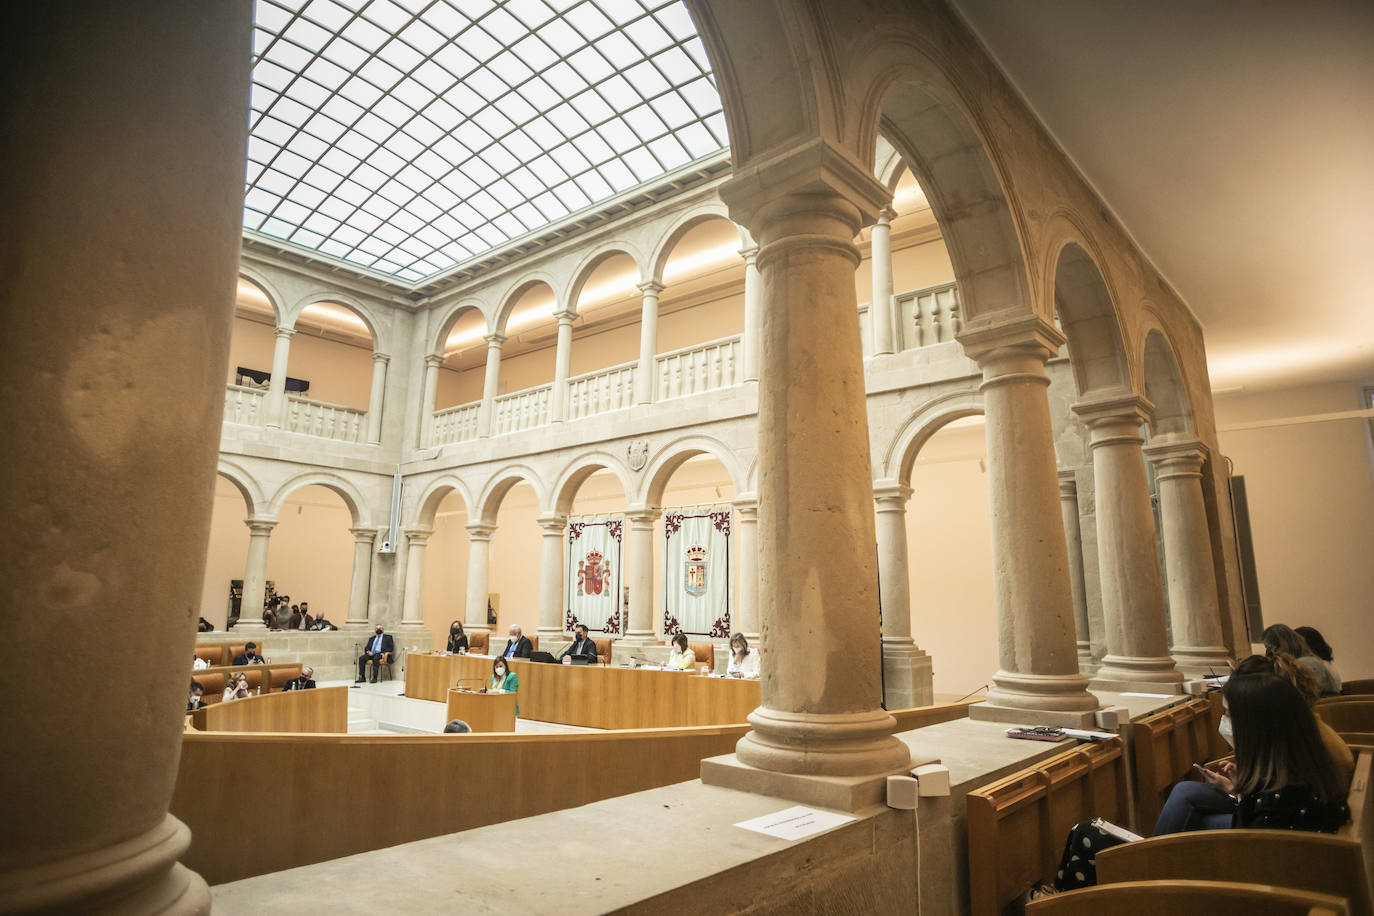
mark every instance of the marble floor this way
{"type": "Point", "coordinates": [382, 709]}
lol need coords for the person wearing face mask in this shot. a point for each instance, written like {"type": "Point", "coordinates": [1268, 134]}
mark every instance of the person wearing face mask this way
{"type": "Point", "coordinates": [503, 680]}
{"type": "Point", "coordinates": [379, 646]}
{"type": "Point", "coordinates": [457, 639]}
{"type": "Point", "coordinates": [744, 662]}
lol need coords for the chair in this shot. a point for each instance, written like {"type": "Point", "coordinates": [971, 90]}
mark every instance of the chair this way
{"type": "Point", "coordinates": [213, 684]}
{"type": "Point", "coordinates": [1294, 859]}
{"type": "Point", "coordinates": [705, 653]}
{"type": "Point", "coordinates": [603, 649]}
{"type": "Point", "coordinates": [212, 654]}
{"type": "Point", "coordinates": [278, 675]}
{"type": "Point", "coordinates": [534, 643]}
{"type": "Point", "coordinates": [1347, 714]}
{"type": "Point", "coordinates": [1363, 687]}
{"type": "Point", "coordinates": [477, 643]}
{"type": "Point", "coordinates": [1187, 898]}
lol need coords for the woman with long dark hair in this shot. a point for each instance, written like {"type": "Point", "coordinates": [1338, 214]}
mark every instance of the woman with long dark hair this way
{"type": "Point", "coordinates": [1320, 648]}
{"type": "Point", "coordinates": [1281, 639]}
{"type": "Point", "coordinates": [457, 639]}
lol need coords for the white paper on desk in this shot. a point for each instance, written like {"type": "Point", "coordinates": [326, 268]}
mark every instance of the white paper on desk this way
{"type": "Point", "coordinates": [1153, 696]}
{"type": "Point", "coordinates": [795, 823]}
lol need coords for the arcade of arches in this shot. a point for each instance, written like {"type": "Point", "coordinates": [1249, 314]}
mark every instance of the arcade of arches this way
{"type": "Point", "coordinates": [939, 385]}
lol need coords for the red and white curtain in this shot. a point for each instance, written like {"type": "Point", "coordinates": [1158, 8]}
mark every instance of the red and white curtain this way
{"type": "Point", "coordinates": [696, 570]}
{"type": "Point", "coordinates": [593, 583]}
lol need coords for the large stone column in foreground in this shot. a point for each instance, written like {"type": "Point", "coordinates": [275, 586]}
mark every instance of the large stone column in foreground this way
{"type": "Point", "coordinates": [1132, 595]}
{"type": "Point", "coordinates": [818, 588]}
{"type": "Point", "coordinates": [1194, 606]}
{"type": "Point", "coordinates": [1038, 681]}
{"type": "Point", "coordinates": [122, 147]}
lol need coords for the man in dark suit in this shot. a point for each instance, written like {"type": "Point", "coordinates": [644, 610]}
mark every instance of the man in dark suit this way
{"type": "Point", "coordinates": [377, 647]}
{"type": "Point", "coordinates": [582, 645]}
{"type": "Point", "coordinates": [250, 656]}
{"type": "Point", "coordinates": [320, 623]}
{"type": "Point", "coordinates": [304, 682]}
{"type": "Point", "coordinates": [517, 646]}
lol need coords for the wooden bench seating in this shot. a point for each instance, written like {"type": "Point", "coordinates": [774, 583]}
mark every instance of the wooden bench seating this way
{"type": "Point", "coordinates": [224, 653]}
{"type": "Point", "coordinates": [1361, 799]}
{"type": "Point", "coordinates": [1017, 825]}
{"type": "Point", "coordinates": [1294, 859]}
{"type": "Point", "coordinates": [1164, 747]}
{"type": "Point", "coordinates": [1362, 687]}
{"type": "Point", "coordinates": [1347, 714]}
{"type": "Point", "coordinates": [270, 678]}
{"type": "Point", "coordinates": [1187, 898]}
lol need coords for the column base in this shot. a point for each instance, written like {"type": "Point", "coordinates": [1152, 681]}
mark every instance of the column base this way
{"type": "Point", "coordinates": [908, 676]}
{"type": "Point", "coordinates": [1037, 699]}
{"type": "Point", "coordinates": [1200, 661]}
{"type": "Point", "coordinates": [822, 744]}
{"type": "Point", "coordinates": [1138, 674]}
{"type": "Point", "coordinates": [256, 627]}
{"type": "Point", "coordinates": [550, 635]}
{"type": "Point", "coordinates": [139, 875]}
{"type": "Point", "coordinates": [640, 638]}
{"type": "Point", "coordinates": [840, 793]}
{"type": "Point", "coordinates": [351, 624]}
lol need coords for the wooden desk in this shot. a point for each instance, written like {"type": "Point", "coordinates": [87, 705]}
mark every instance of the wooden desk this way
{"type": "Point", "coordinates": [483, 712]}
{"type": "Point", "coordinates": [324, 709]}
{"type": "Point", "coordinates": [595, 696]}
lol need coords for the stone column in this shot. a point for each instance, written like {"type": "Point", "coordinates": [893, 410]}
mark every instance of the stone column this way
{"type": "Point", "coordinates": [821, 709]}
{"type": "Point", "coordinates": [648, 342]}
{"type": "Point", "coordinates": [376, 398]}
{"type": "Point", "coordinates": [276, 386]}
{"type": "Point", "coordinates": [747, 591]}
{"type": "Point", "coordinates": [554, 527]}
{"type": "Point", "coordinates": [429, 399]}
{"type": "Point", "coordinates": [479, 560]}
{"type": "Point", "coordinates": [363, 539]}
{"type": "Point", "coordinates": [1038, 681]}
{"type": "Point", "coordinates": [413, 607]}
{"type": "Point", "coordinates": [753, 296]}
{"type": "Point", "coordinates": [1132, 596]}
{"type": "Point", "coordinates": [255, 575]}
{"type": "Point", "coordinates": [908, 678]}
{"type": "Point", "coordinates": [558, 397]}
{"type": "Point", "coordinates": [1194, 604]}
{"type": "Point", "coordinates": [1073, 537]}
{"type": "Point", "coordinates": [640, 627]}
{"type": "Point", "coordinates": [122, 147]}
{"type": "Point", "coordinates": [490, 382]}
{"type": "Point", "coordinates": [881, 319]}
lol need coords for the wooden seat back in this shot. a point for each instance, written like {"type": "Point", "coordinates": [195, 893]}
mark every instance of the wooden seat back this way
{"type": "Point", "coordinates": [1362, 687]}
{"type": "Point", "coordinates": [603, 649]}
{"type": "Point", "coordinates": [1361, 800]}
{"type": "Point", "coordinates": [1347, 714]}
{"type": "Point", "coordinates": [234, 650]}
{"type": "Point", "coordinates": [278, 675]}
{"type": "Point", "coordinates": [1164, 747]}
{"type": "Point", "coordinates": [213, 682]}
{"type": "Point", "coordinates": [477, 643]}
{"type": "Point", "coordinates": [705, 653]}
{"type": "Point", "coordinates": [1017, 825]}
{"type": "Point", "coordinates": [1289, 858]}
{"type": "Point", "coordinates": [1187, 898]}
{"type": "Point", "coordinates": [534, 643]}
{"type": "Point", "coordinates": [212, 654]}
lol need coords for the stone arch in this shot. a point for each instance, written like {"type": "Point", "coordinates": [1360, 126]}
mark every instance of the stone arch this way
{"type": "Point", "coordinates": [497, 323]}
{"type": "Point", "coordinates": [450, 318]}
{"type": "Point", "coordinates": [352, 304]}
{"type": "Point", "coordinates": [268, 289]}
{"type": "Point", "coordinates": [888, 164]}
{"type": "Point", "coordinates": [1078, 291]}
{"type": "Point", "coordinates": [671, 457]}
{"type": "Point", "coordinates": [588, 265]}
{"type": "Point", "coordinates": [577, 472]}
{"type": "Point", "coordinates": [900, 456]}
{"type": "Point", "coordinates": [243, 482]}
{"type": "Point", "coordinates": [680, 226]}
{"type": "Point", "coordinates": [433, 494]}
{"type": "Point", "coordinates": [1165, 386]}
{"type": "Point", "coordinates": [344, 487]}
{"type": "Point", "coordinates": [500, 483]}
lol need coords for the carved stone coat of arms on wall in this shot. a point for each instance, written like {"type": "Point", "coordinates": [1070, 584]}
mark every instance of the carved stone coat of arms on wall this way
{"type": "Point", "coordinates": [637, 454]}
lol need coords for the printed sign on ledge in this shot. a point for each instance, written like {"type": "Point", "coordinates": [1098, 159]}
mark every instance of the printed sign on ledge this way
{"type": "Point", "coordinates": [593, 582]}
{"type": "Point", "coordinates": [696, 571]}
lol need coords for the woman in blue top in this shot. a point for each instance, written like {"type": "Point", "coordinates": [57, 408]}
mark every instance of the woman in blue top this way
{"type": "Point", "coordinates": [503, 680]}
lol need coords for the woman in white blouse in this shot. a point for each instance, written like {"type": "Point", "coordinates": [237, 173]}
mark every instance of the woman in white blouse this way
{"type": "Point", "coordinates": [743, 661]}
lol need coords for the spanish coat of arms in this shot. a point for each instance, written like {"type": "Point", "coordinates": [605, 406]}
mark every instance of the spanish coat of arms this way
{"type": "Point", "coordinates": [593, 574]}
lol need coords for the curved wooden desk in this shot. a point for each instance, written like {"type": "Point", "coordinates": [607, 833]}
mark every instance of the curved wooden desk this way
{"type": "Point", "coordinates": [323, 709]}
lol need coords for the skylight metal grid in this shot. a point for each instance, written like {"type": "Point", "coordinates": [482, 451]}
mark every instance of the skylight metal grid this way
{"type": "Point", "coordinates": [412, 136]}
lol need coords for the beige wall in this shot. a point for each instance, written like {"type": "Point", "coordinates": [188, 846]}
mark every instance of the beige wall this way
{"type": "Point", "coordinates": [1311, 496]}
{"type": "Point", "coordinates": [338, 373]}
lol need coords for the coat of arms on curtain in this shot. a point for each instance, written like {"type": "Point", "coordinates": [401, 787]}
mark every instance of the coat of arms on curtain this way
{"type": "Point", "coordinates": [592, 587]}
{"type": "Point", "coordinates": [696, 570]}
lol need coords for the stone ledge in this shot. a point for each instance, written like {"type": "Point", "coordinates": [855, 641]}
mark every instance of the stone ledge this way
{"type": "Point", "coordinates": [840, 793]}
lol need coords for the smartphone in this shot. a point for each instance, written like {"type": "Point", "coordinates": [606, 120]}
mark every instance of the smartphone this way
{"type": "Point", "coordinates": [1206, 773]}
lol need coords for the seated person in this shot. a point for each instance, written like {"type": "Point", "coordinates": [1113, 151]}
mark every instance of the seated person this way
{"type": "Point", "coordinates": [377, 647]}
{"type": "Point", "coordinates": [744, 662]}
{"type": "Point", "coordinates": [320, 623]}
{"type": "Point", "coordinates": [304, 682]}
{"type": "Point", "coordinates": [1322, 650]}
{"type": "Point", "coordinates": [198, 663]}
{"type": "Point", "coordinates": [1280, 639]}
{"type": "Point", "coordinates": [196, 699]}
{"type": "Point", "coordinates": [503, 680]}
{"type": "Point", "coordinates": [293, 620]}
{"type": "Point", "coordinates": [205, 626]}
{"type": "Point", "coordinates": [457, 727]}
{"type": "Point", "coordinates": [457, 639]}
{"type": "Point", "coordinates": [250, 656]}
{"type": "Point", "coordinates": [236, 688]}
{"type": "Point", "coordinates": [518, 646]}
{"type": "Point", "coordinates": [682, 658]}
{"type": "Point", "coordinates": [269, 618]}
{"type": "Point", "coordinates": [582, 645]}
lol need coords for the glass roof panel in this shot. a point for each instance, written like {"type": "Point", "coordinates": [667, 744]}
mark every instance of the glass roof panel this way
{"type": "Point", "coordinates": [411, 136]}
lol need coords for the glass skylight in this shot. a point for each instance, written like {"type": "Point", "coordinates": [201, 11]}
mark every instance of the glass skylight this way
{"type": "Point", "coordinates": [412, 136]}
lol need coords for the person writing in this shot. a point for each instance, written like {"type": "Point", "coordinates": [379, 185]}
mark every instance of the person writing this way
{"type": "Point", "coordinates": [503, 680]}
{"type": "Point", "coordinates": [457, 639]}
{"type": "Point", "coordinates": [743, 661]}
{"type": "Point", "coordinates": [582, 646]}
{"type": "Point", "coordinates": [305, 681]}
{"type": "Point", "coordinates": [682, 658]}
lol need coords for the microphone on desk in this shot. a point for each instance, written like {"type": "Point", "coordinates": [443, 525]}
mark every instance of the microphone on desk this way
{"type": "Point", "coordinates": [636, 658]}
{"type": "Point", "coordinates": [458, 685]}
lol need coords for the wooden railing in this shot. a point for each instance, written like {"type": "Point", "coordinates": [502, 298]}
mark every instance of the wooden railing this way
{"type": "Point", "coordinates": [244, 405]}
{"type": "Point", "coordinates": [1164, 747]}
{"type": "Point", "coordinates": [602, 391]}
{"type": "Point", "coordinates": [455, 424]}
{"type": "Point", "coordinates": [521, 410]}
{"type": "Point", "coordinates": [705, 367]}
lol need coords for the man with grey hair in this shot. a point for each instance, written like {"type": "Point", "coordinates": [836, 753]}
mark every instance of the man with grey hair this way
{"type": "Point", "coordinates": [306, 681]}
{"type": "Point", "coordinates": [518, 646]}
{"type": "Point", "coordinates": [457, 727]}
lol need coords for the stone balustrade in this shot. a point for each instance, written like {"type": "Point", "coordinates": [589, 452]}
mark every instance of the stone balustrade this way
{"type": "Point", "coordinates": [455, 424]}
{"type": "Point", "coordinates": [522, 410]}
{"type": "Point", "coordinates": [326, 421]}
{"type": "Point", "coordinates": [244, 405]}
{"type": "Point", "coordinates": [705, 367]}
{"type": "Point", "coordinates": [602, 391]}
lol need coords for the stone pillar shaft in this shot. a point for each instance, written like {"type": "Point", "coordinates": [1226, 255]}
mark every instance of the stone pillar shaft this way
{"type": "Point", "coordinates": [255, 575]}
{"type": "Point", "coordinates": [479, 560]}
{"type": "Point", "coordinates": [413, 608]}
{"type": "Point", "coordinates": [640, 629]}
{"type": "Point", "coordinates": [1194, 605]}
{"type": "Point", "coordinates": [1038, 680]}
{"type": "Point", "coordinates": [490, 382]}
{"type": "Point", "coordinates": [747, 591]}
{"type": "Point", "coordinates": [427, 402]}
{"type": "Point", "coordinates": [894, 574]}
{"type": "Point", "coordinates": [276, 385]}
{"type": "Point", "coordinates": [363, 539]}
{"type": "Point", "coordinates": [648, 342]}
{"type": "Point", "coordinates": [376, 398]}
{"type": "Point", "coordinates": [554, 528]}
{"type": "Point", "coordinates": [753, 297]}
{"type": "Point", "coordinates": [880, 313]}
{"type": "Point", "coordinates": [558, 397]}
{"type": "Point", "coordinates": [1132, 595]}
{"type": "Point", "coordinates": [1073, 537]}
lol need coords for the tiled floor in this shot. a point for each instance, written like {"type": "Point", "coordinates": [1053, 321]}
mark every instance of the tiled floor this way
{"type": "Point", "coordinates": [380, 709]}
